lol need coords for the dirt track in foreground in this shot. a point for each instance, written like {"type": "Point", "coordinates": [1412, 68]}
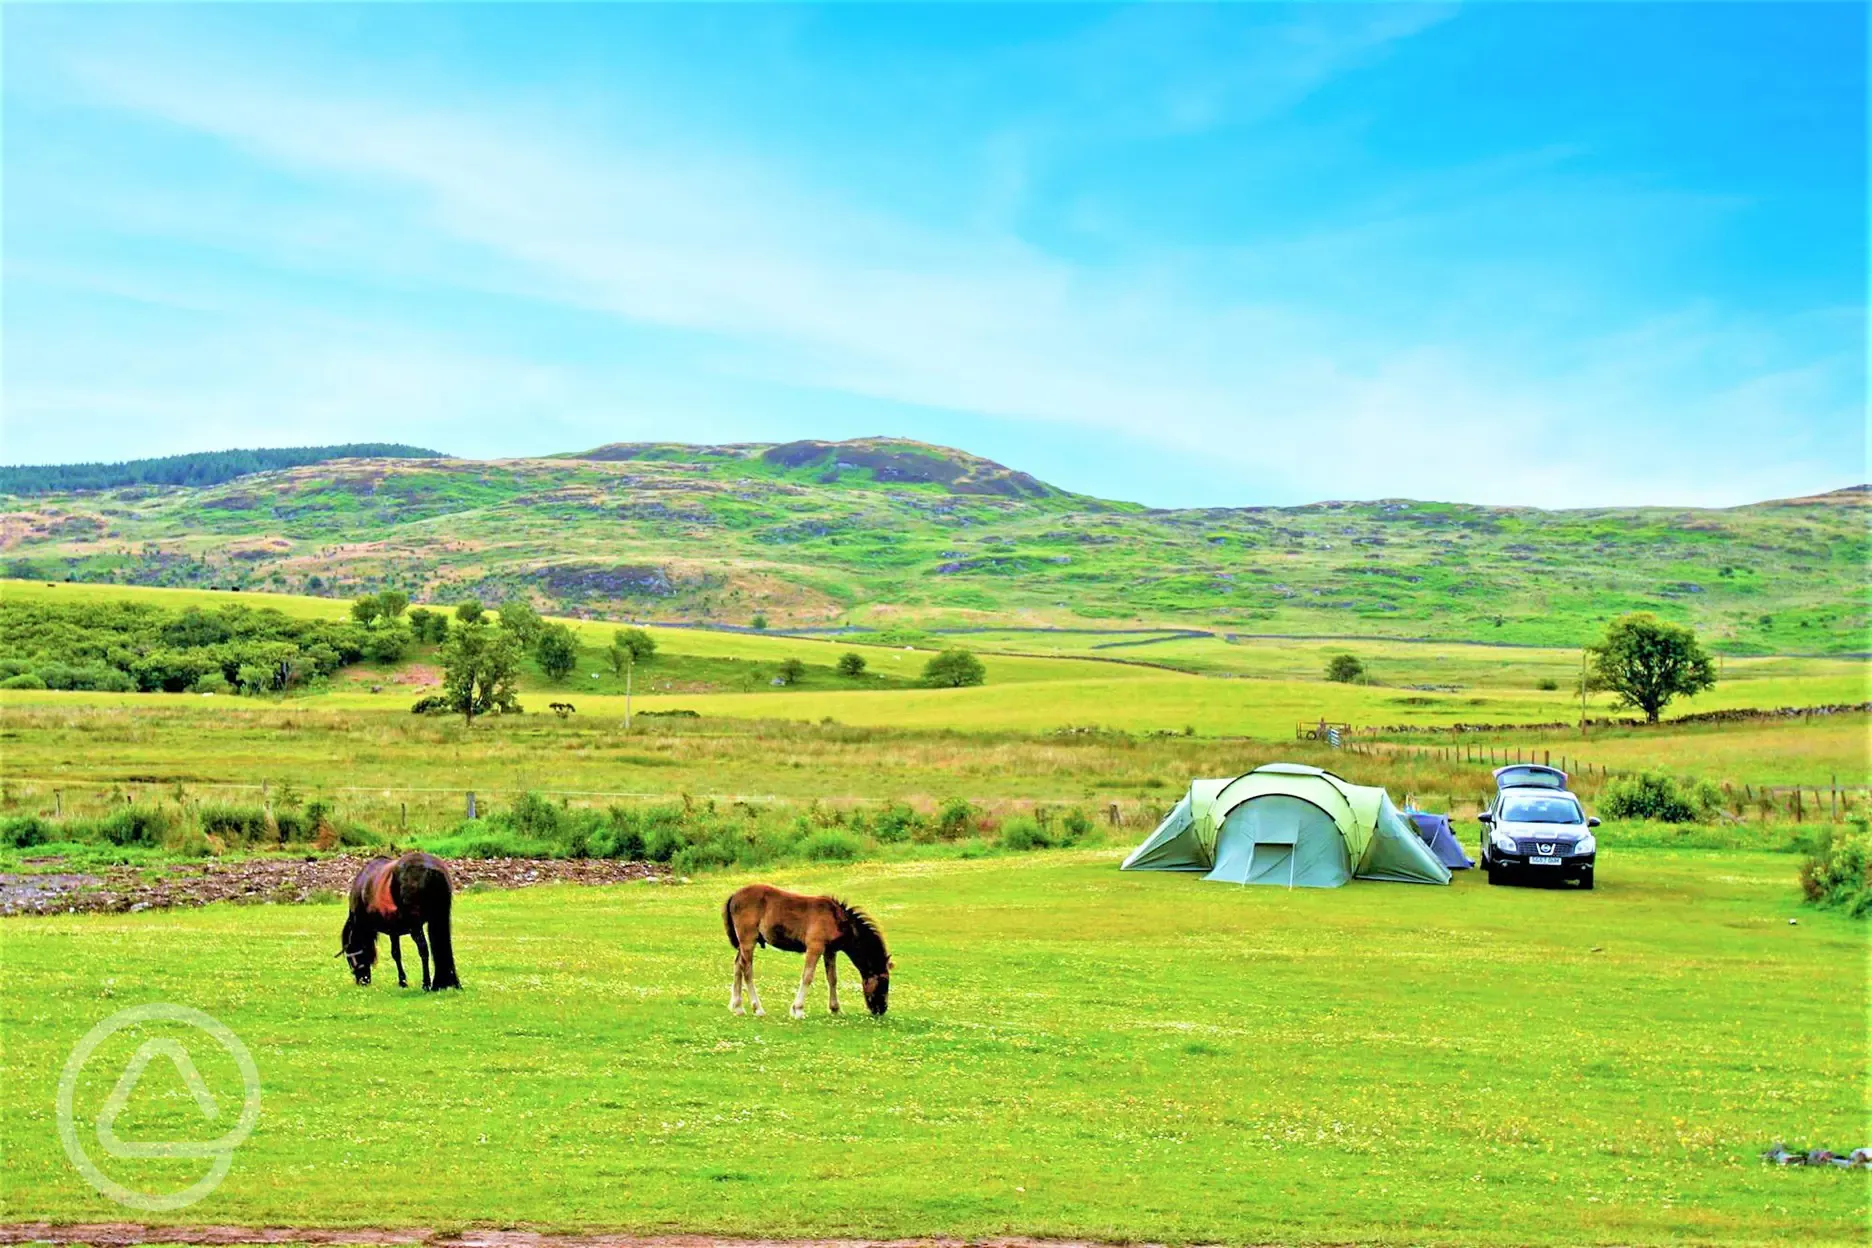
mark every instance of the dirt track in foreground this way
{"type": "Point", "coordinates": [128, 1234]}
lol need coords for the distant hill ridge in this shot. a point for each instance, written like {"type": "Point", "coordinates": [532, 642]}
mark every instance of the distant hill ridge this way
{"type": "Point", "coordinates": [888, 532]}
{"type": "Point", "coordinates": [885, 461]}
{"type": "Point", "coordinates": [197, 469]}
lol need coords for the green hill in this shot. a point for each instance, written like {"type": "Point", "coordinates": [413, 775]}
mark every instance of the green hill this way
{"type": "Point", "coordinates": [885, 533]}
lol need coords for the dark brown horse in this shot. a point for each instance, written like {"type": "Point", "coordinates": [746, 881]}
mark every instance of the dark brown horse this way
{"type": "Point", "coordinates": [401, 896]}
{"type": "Point", "coordinates": [761, 914]}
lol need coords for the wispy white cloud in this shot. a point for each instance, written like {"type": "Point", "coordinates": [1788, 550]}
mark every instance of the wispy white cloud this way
{"type": "Point", "coordinates": [1216, 353]}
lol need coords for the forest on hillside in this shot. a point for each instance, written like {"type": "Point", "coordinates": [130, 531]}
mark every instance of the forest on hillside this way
{"type": "Point", "coordinates": [198, 469]}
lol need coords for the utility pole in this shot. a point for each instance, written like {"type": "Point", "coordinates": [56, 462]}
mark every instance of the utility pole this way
{"type": "Point", "coordinates": [630, 669]}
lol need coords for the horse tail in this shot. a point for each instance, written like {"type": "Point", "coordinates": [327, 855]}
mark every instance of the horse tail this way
{"type": "Point", "coordinates": [727, 918]}
{"type": "Point", "coordinates": [441, 941]}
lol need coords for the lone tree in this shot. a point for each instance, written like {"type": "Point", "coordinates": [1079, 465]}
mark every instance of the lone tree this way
{"type": "Point", "coordinates": [791, 670]}
{"type": "Point", "coordinates": [521, 621]}
{"type": "Point", "coordinates": [954, 668]}
{"type": "Point", "coordinates": [555, 649]}
{"type": "Point", "coordinates": [634, 643]}
{"type": "Point", "coordinates": [479, 668]}
{"type": "Point", "coordinates": [1344, 668]}
{"type": "Point", "coordinates": [1648, 661]}
{"type": "Point", "coordinates": [851, 663]}
{"type": "Point", "coordinates": [759, 622]}
{"type": "Point", "coordinates": [470, 611]}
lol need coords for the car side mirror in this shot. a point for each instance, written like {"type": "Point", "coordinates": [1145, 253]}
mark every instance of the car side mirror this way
{"type": "Point", "coordinates": [1592, 821]}
{"type": "Point", "coordinates": [1485, 817]}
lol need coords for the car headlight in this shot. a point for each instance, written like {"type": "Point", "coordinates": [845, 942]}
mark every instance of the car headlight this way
{"type": "Point", "coordinates": [1502, 841]}
{"type": "Point", "coordinates": [1585, 845]}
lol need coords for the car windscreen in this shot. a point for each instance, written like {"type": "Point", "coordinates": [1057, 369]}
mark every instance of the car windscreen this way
{"type": "Point", "coordinates": [1541, 810]}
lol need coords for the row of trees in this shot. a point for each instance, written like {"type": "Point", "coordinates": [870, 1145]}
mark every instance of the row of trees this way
{"type": "Point", "coordinates": [197, 469]}
{"type": "Point", "coordinates": [130, 646]}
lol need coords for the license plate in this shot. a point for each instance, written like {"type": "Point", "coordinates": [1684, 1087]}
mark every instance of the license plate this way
{"type": "Point", "coordinates": [1544, 862]}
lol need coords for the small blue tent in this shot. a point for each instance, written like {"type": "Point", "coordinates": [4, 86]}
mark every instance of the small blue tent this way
{"type": "Point", "coordinates": [1436, 833]}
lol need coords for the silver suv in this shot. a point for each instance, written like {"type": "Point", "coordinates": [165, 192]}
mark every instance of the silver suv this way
{"type": "Point", "coordinates": [1536, 828]}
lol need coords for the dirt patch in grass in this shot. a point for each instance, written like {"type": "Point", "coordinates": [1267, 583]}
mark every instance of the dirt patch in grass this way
{"type": "Point", "coordinates": [278, 880]}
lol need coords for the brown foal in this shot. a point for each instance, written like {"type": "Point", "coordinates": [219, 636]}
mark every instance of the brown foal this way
{"type": "Point", "coordinates": [761, 914]}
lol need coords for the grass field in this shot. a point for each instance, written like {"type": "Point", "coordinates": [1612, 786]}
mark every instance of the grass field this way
{"type": "Point", "coordinates": [1265, 688]}
{"type": "Point", "coordinates": [1069, 1052]}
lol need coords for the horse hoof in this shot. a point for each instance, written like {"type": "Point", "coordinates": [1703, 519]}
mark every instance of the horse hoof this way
{"type": "Point", "coordinates": [797, 1014]}
{"type": "Point", "coordinates": [760, 1013]}
{"type": "Point", "coordinates": [737, 1011]}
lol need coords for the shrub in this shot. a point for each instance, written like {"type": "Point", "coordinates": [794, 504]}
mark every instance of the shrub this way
{"type": "Point", "coordinates": [791, 670]}
{"type": "Point", "coordinates": [831, 845]}
{"type": "Point", "coordinates": [1651, 795]}
{"type": "Point", "coordinates": [1022, 833]}
{"type": "Point", "coordinates": [25, 680]}
{"type": "Point", "coordinates": [236, 825]}
{"type": "Point", "coordinates": [1077, 826]}
{"type": "Point", "coordinates": [533, 816]}
{"type": "Point", "coordinates": [896, 823]}
{"type": "Point", "coordinates": [9, 668]}
{"type": "Point", "coordinates": [663, 841]}
{"type": "Point", "coordinates": [1345, 669]}
{"type": "Point", "coordinates": [851, 663]}
{"type": "Point", "coordinates": [1839, 873]}
{"type": "Point", "coordinates": [23, 831]}
{"type": "Point", "coordinates": [1547, 684]}
{"type": "Point", "coordinates": [136, 825]}
{"type": "Point", "coordinates": [387, 644]}
{"type": "Point", "coordinates": [212, 682]}
{"type": "Point", "coordinates": [955, 819]}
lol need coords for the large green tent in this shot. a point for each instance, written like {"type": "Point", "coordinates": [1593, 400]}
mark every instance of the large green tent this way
{"type": "Point", "coordinates": [1288, 825]}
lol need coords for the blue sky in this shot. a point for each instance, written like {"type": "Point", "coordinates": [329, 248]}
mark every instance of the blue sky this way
{"type": "Point", "coordinates": [1501, 253]}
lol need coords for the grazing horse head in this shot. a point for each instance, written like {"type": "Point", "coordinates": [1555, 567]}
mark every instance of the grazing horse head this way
{"type": "Point", "coordinates": [864, 945]}
{"type": "Point", "coordinates": [358, 946]}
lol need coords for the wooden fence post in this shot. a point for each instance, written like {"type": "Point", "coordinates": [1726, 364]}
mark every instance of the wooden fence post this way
{"type": "Point", "coordinates": [471, 805]}
{"type": "Point", "coordinates": [1797, 805]}
{"type": "Point", "coordinates": [403, 816]}
{"type": "Point", "coordinates": [1833, 799]}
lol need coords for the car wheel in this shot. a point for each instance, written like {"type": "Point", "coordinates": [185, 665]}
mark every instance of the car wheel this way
{"type": "Point", "coordinates": [1494, 874]}
{"type": "Point", "coordinates": [1585, 881]}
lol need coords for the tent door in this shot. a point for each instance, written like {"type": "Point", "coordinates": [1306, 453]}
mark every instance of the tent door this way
{"type": "Point", "coordinates": [1272, 860]}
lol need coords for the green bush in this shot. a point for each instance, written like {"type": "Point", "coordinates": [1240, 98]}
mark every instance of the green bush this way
{"type": "Point", "coordinates": [831, 845]}
{"type": "Point", "coordinates": [136, 825]}
{"type": "Point", "coordinates": [25, 680]}
{"type": "Point", "coordinates": [213, 682]}
{"type": "Point", "coordinates": [9, 668]}
{"type": "Point", "coordinates": [955, 820]}
{"type": "Point", "coordinates": [896, 823]}
{"type": "Point", "coordinates": [1651, 795]}
{"type": "Point", "coordinates": [237, 825]}
{"type": "Point", "coordinates": [1345, 669]}
{"type": "Point", "coordinates": [1022, 833]}
{"type": "Point", "coordinates": [1077, 826]}
{"type": "Point", "coordinates": [1838, 875]}
{"type": "Point", "coordinates": [24, 831]}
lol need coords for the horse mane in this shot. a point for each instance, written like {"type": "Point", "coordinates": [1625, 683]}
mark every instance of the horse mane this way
{"type": "Point", "coordinates": [866, 948]}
